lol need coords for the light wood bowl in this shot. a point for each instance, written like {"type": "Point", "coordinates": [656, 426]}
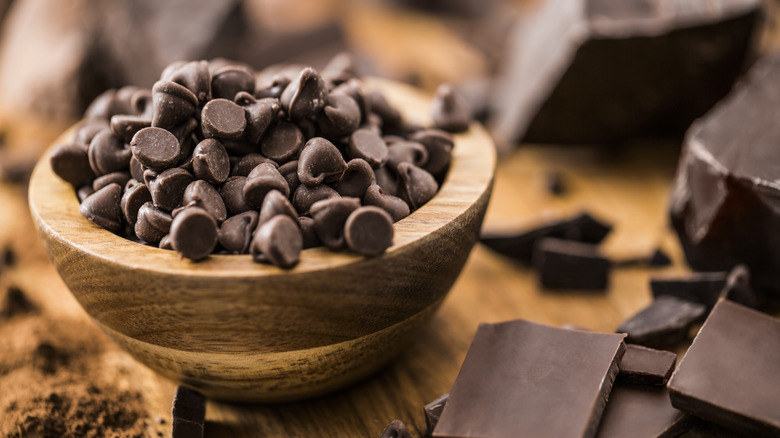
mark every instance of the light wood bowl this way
{"type": "Point", "coordinates": [238, 330]}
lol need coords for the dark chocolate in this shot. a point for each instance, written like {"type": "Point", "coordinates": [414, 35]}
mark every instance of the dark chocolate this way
{"type": "Point", "coordinates": [665, 322]}
{"type": "Point", "coordinates": [188, 412]}
{"type": "Point", "coordinates": [646, 366]}
{"type": "Point", "coordinates": [433, 412]}
{"type": "Point", "coordinates": [396, 429]}
{"type": "Point", "coordinates": [563, 264]}
{"type": "Point", "coordinates": [642, 411]}
{"type": "Point", "coordinates": [698, 287]}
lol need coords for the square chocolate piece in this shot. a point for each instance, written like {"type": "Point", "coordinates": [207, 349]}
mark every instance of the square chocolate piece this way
{"type": "Point", "coordinates": [521, 379]}
{"type": "Point", "coordinates": [564, 264]}
{"type": "Point", "coordinates": [642, 411]}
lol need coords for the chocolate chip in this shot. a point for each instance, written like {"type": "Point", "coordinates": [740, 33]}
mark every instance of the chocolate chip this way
{"type": "Point", "coordinates": [310, 239]}
{"type": "Point", "coordinates": [386, 180]}
{"type": "Point", "coordinates": [167, 188]}
{"type": "Point", "coordinates": [275, 203]}
{"type": "Point", "coordinates": [233, 195]}
{"type": "Point", "coordinates": [230, 80]}
{"type": "Point", "coordinates": [329, 217]}
{"type": "Point", "coordinates": [396, 429]}
{"type": "Point", "coordinates": [368, 145]}
{"type": "Point", "coordinates": [103, 208]}
{"type": "Point", "coordinates": [340, 69]}
{"type": "Point", "coordinates": [417, 186]}
{"type": "Point", "coordinates": [282, 142]}
{"type": "Point", "coordinates": [451, 112]}
{"type": "Point", "coordinates": [395, 207]}
{"type": "Point", "coordinates": [202, 194]}
{"type": "Point", "coordinates": [136, 169]}
{"type": "Point", "coordinates": [305, 196]}
{"type": "Point", "coordinates": [132, 200]}
{"type": "Point", "coordinates": [406, 152]}
{"type": "Point", "coordinates": [368, 231]}
{"type": "Point", "coordinates": [259, 114]}
{"type": "Point", "coordinates": [172, 104]}
{"type": "Point", "coordinates": [152, 223]}
{"type": "Point", "coordinates": [305, 96]}
{"type": "Point", "coordinates": [166, 243]}
{"type": "Point", "coordinates": [87, 130]}
{"type": "Point", "coordinates": [194, 233]}
{"type": "Point", "coordinates": [84, 192]}
{"type": "Point", "coordinates": [340, 116]}
{"type": "Point", "coordinates": [194, 75]}
{"type": "Point", "coordinates": [261, 180]}
{"type": "Point", "coordinates": [354, 89]}
{"type": "Point", "coordinates": [107, 154]}
{"type": "Point", "coordinates": [289, 171]}
{"type": "Point", "coordinates": [210, 161]}
{"type": "Point", "coordinates": [120, 178]}
{"type": "Point", "coordinates": [249, 162]}
{"type": "Point", "coordinates": [15, 303]}
{"type": "Point", "coordinates": [70, 162]}
{"type": "Point", "coordinates": [439, 145]}
{"type": "Point", "coordinates": [279, 241]}
{"type": "Point", "coordinates": [390, 116]}
{"type": "Point", "coordinates": [126, 126]}
{"type": "Point", "coordinates": [355, 179]}
{"type": "Point", "coordinates": [188, 413]}
{"type": "Point", "coordinates": [155, 148]}
{"type": "Point", "coordinates": [320, 162]}
{"type": "Point", "coordinates": [236, 232]}
{"type": "Point", "coordinates": [221, 118]}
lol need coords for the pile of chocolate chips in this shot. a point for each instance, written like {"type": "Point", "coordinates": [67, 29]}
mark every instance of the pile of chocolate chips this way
{"type": "Point", "coordinates": [218, 158]}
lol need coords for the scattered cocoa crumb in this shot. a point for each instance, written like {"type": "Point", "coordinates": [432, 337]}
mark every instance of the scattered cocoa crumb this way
{"type": "Point", "coordinates": [15, 303]}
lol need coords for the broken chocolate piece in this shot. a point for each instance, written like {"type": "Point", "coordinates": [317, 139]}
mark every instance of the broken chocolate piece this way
{"type": "Point", "coordinates": [641, 411]}
{"type": "Point", "coordinates": [396, 429]}
{"type": "Point", "coordinates": [665, 322]}
{"type": "Point", "coordinates": [657, 259]}
{"type": "Point", "coordinates": [189, 413]}
{"type": "Point", "coordinates": [739, 290]}
{"type": "Point", "coordinates": [521, 378]}
{"type": "Point", "coordinates": [563, 264]}
{"type": "Point", "coordinates": [699, 287]}
{"type": "Point", "coordinates": [646, 366]}
{"type": "Point", "coordinates": [433, 412]}
{"type": "Point", "coordinates": [729, 374]}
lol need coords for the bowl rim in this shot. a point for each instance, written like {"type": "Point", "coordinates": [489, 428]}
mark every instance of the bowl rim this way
{"type": "Point", "coordinates": [54, 207]}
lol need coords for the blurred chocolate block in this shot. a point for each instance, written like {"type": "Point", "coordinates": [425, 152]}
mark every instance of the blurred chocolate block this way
{"type": "Point", "coordinates": [641, 411]}
{"type": "Point", "coordinates": [725, 203]}
{"type": "Point", "coordinates": [604, 71]}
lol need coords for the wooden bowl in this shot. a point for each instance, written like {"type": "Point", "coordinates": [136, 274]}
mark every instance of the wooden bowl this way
{"type": "Point", "coordinates": [238, 330]}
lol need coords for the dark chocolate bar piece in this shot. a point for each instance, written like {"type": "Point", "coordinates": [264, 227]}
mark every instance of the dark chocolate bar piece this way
{"type": "Point", "coordinates": [519, 244]}
{"type": "Point", "coordinates": [521, 378]}
{"type": "Point", "coordinates": [189, 413]}
{"type": "Point", "coordinates": [729, 375]}
{"type": "Point", "coordinates": [642, 412]}
{"type": "Point", "coordinates": [658, 259]}
{"type": "Point", "coordinates": [665, 322]}
{"type": "Point", "coordinates": [433, 412]}
{"type": "Point", "coordinates": [563, 264]}
{"type": "Point", "coordinates": [646, 366]}
{"type": "Point", "coordinates": [604, 71]}
{"type": "Point", "coordinates": [725, 204]}
{"type": "Point", "coordinates": [698, 287]}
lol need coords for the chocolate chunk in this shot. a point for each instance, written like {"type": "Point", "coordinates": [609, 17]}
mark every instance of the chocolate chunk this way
{"type": "Point", "coordinates": [279, 241]}
{"type": "Point", "coordinates": [103, 208]}
{"type": "Point", "coordinates": [450, 110]}
{"type": "Point", "coordinates": [107, 154]}
{"type": "Point", "coordinates": [194, 75]}
{"type": "Point", "coordinates": [188, 413]}
{"type": "Point", "coordinates": [202, 194]}
{"type": "Point", "coordinates": [390, 116]}
{"type": "Point", "coordinates": [236, 232]}
{"type": "Point", "coordinates": [155, 148]}
{"type": "Point", "coordinates": [368, 145]}
{"type": "Point", "coordinates": [275, 203]}
{"type": "Point", "coordinates": [641, 411]}
{"type": "Point", "coordinates": [739, 289]}
{"type": "Point", "coordinates": [289, 171]}
{"type": "Point", "coordinates": [396, 207]}
{"type": "Point", "coordinates": [368, 231]}
{"type": "Point", "coordinates": [282, 142]}
{"type": "Point", "coordinates": [134, 197]}
{"type": "Point", "coordinates": [210, 161]}
{"type": "Point", "coordinates": [657, 259]}
{"type": "Point", "coordinates": [320, 162]}
{"type": "Point", "coordinates": [396, 429]}
{"type": "Point", "coordinates": [172, 103]}
{"type": "Point", "coordinates": [329, 217]}
{"type": "Point", "coordinates": [233, 195]}
{"type": "Point", "coordinates": [646, 366]}
{"type": "Point", "coordinates": [340, 116]}
{"type": "Point", "coordinates": [70, 162]}
{"type": "Point", "coordinates": [221, 118]}
{"type": "Point", "coordinates": [729, 374]}
{"type": "Point", "coordinates": [665, 322]}
{"type": "Point", "coordinates": [356, 179]}
{"type": "Point", "coordinates": [417, 186]}
{"type": "Point", "coordinates": [194, 233]}
{"type": "Point", "coordinates": [230, 80]}
{"type": "Point", "coordinates": [126, 126]}
{"type": "Point", "coordinates": [433, 412]}
{"type": "Point", "coordinates": [563, 264]}
{"type": "Point", "coordinates": [120, 178]}
{"type": "Point", "coordinates": [520, 378]}
{"type": "Point", "coordinates": [698, 287]}
{"type": "Point", "coordinates": [259, 114]}
{"type": "Point", "coordinates": [261, 180]}
{"type": "Point", "coordinates": [439, 146]}
{"type": "Point", "coordinates": [305, 96]}
{"type": "Point", "coordinates": [406, 152]}
{"type": "Point", "coordinates": [168, 187]}
{"type": "Point", "coordinates": [15, 303]}
{"type": "Point", "coordinates": [152, 223]}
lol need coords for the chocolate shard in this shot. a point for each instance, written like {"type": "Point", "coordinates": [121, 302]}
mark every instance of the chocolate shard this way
{"type": "Point", "coordinates": [642, 411]}
{"type": "Point", "coordinates": [521, 378]}
{"type": "Point", "coordinates": [646, 366]}
{"type": "Point", "coordinates": [699, 287]}
{"type": "Point", "coordinates": [189, 413]}
{"type": "Point", "coordinates": [739, 289]}
{"type": "Point", "coordinates": [598, 77]}
{"type": "Point", "coordinates": [729, 375]}
{"type": "Point", "coordinates": [665, 322]}
{"type": "Point", "coordinates": [396, 429]}
{"type": "Point", "coordinates": [563, 264]}
{"type": "Point", "coordinates": [433, 412]}
{"type": "Point", "coordinates": [658, 259]}
{"type": "Point", "coordinates": [725, 205]}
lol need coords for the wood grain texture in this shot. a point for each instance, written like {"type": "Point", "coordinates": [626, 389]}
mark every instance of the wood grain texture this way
{"type": "Point", "coordinates": [238, 330]}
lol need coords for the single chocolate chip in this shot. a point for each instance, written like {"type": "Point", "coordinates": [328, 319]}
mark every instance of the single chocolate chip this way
{"type": "Point", "coordinates": [84, 192]}
{"type": "Point", "coordinates": [368, 231]}
{"type": "Point", "coordinates": [282, 142]}
{"type": "Point", "coordinates": [172, 104]}
{"type": "Point", "coordinates": [274, 204]}
{"type": "Point", "coordinates": [152, 223]}
{"type": "Point", "coordinates": [120, 178]}
{"type": "Point", "coordinates": [155, 148]}
{"type": "Point", "coordinates": [231, 80]}
{"type": "Point", "coordinates": [396, 429]}
{"type": "Point", "coordinates": [100, 108]}
{"type": "Point", "coordinates": [417, 186]}
{"type": "Point", "coordinates": [132, 200]}
{"type": "Point", "coordinates": [368, 145]}
{"type": "Point", "coordinates": [107, 154]}
{"type": "Point", "coordinates": [141, 103]}
{"type": "Point", "coordinates": [394, 206]}
{"type": "Point", "coordinates": [279, 241]}
{"type": "Point", "coordinates": [166, 243]}
{"type": "Point", "coordinates": [202, 194]}
{"type": "Point", "coordinates": [194, 75]}
{"type": "Point", "coordinates": [210, 161]}
{"type": "Point", "coordinates": [406, 152]}
{"type": "Point", "coordinates": [451, 112]}
{"type": "Point", "coordinates": [235, 234]}
{"type": "Point", "coordinates": [233, 194]}
{"type": "Point", "coordinates": [273, 88]}
{"type": "Point", "coordinates": [87, 130]}
{"type": "Point", "coordinates": [125, 126]}
{"type": "Point", "coordinates": [259, 115]}
{"type": "Point", "coordinates": [329, 217]}
{"type": "Point", "coordinates": [305, 96]}
{"type": "Point", "coordinates": [136, 169]}
{"type": "Point", "coordinates": [261, 180]}
{"type": "Point", "coordinates": [70, 162]}
{"type": "Point", "coordinates": [305, 196]}
{"type": "Point", "coordinates": [310, 239]}
{"type": "Point", "coordinates": [356, 179]}
{"type": "Point", "coordinates": [354, 89]}
{"type": "Point", "coordinates": [188, 413]}
{"type": "Point", "coordinates": [439, 145]}
{"type": "Point", "coordinates": [289, 171]}
{"type": "Point", "coordinates": [16, 303]}
{"type": "Point", "coordinates": [386, 180]}
{"type": "Point", "coordinates": [168, 187]}
{"type": "Point", "coordinates": [194, 233]}
{"type": "Point", "coordinates": [103, 208]}
{"type": "Point", "coordinates": [340, 116]}
{"type": "Point", "coordinates": [390, 116]}
{"type": "Point", "coordinates": [221, 118]}
{"type": "Point", "coordinates": [249, 162]}
{"type": "Point", "coordinates": [664, 323]}
{"type": "Point", "coordinates": [340, 69]}
{"type": "Point", "coordinates": [320, 162]}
